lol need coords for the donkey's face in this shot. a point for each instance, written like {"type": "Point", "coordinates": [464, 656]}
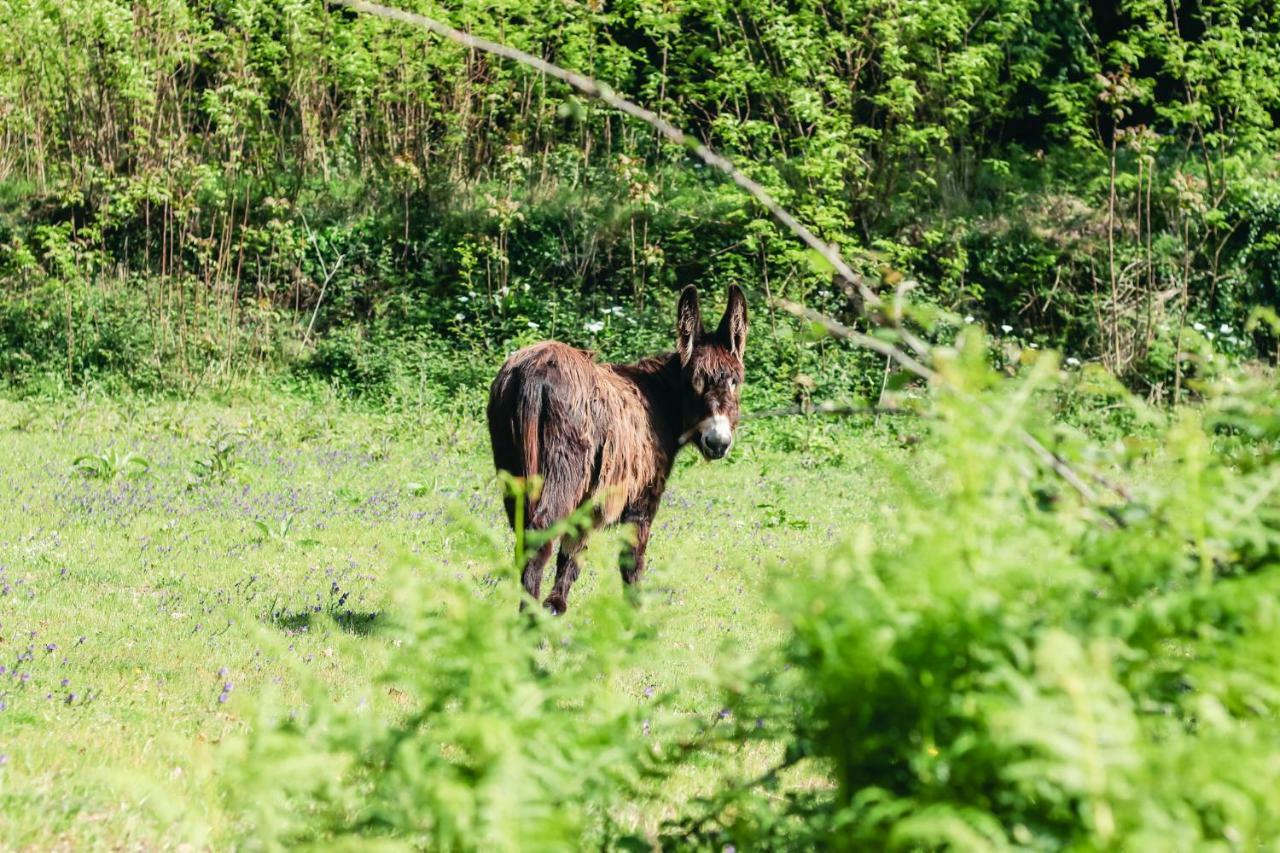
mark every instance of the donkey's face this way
{"type": "Point", "coordinates": [711, 368]}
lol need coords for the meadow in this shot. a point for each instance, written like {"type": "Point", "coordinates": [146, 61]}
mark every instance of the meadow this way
{"type": "Point", "coordinates": [167, 566]}
{"type": "Point", "coordinates": [260, 259]}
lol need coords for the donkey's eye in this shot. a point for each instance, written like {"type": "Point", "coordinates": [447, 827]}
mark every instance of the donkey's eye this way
{"type": "Point", "coordinates": [697, 385]}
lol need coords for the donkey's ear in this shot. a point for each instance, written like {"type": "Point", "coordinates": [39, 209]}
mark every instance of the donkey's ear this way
{"type": "Point", "coordinates": [733, 325]}
{"type": "Point", "coordinates": [688, 323]}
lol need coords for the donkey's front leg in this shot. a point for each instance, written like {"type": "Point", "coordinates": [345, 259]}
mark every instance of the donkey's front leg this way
{"type": "Point", "coordinates": [632, 560]}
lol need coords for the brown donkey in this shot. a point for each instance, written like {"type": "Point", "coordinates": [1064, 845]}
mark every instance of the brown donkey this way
{"type": "Point", "coordinates": [608, 433]}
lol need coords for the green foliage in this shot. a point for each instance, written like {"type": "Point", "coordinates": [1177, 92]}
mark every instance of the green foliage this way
{"type": "Point", "coordinates": [277, 182]}
{"type": "Point", "coordinates": [1013, 667]}
{"type": "Point", "coordinates": [505, 735]}
{"type": "Point", "coordinates": [110, 465]}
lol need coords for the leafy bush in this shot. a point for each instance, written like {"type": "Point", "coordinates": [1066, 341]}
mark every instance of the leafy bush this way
{"type": "Point", "coordinates": [1003, 660]}
{"type": "Point", "coordinates": [500, 735]}
{"type": "Point", "coordinates": [1002, 664]}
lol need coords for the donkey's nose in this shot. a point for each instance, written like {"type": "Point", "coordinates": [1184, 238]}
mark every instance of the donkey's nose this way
{"type": "Point", "coordinates": [716, 444]}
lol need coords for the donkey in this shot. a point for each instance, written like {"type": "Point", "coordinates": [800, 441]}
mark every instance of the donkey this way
{"type": "Point", "coordinates": [607, 434]}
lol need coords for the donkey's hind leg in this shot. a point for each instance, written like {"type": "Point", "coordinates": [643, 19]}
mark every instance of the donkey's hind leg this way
{"type": "Point", "coordinates": [531, 577]}
{"type": "Point", "coordinates": [553, 504]}
{"type": "Point", "coordinates": [567, 569]}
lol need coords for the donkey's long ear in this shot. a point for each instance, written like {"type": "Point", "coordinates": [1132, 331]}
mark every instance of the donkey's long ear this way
{"type": "Point", "coordinates": [733, 325]}
{"type": "Point", "coordinates": [688, 323]}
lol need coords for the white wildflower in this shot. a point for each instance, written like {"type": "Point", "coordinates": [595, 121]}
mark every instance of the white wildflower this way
{"type": "Point", "coordinates": [968, 318]}
{"type": "Point", "coordinates": [1199, 327]}
{"type": "Point", "coordinates": [593, 326]}
{"type": "Point", "coordinates": [1073, 361]}
{"type": "Point", "coordinates": [1225, 329]}
{"type": "Point", "coordinates": [1006, 328]}
{"type": "Point", "coordinates": [458, 317]}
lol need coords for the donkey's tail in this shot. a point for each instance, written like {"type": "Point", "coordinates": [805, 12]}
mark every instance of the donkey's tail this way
{"type": "Point", "coordinates": [528, 418]}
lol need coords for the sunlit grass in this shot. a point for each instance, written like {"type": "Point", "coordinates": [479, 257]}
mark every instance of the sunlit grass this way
{"type": "Point", "coordinates": [144, 613]}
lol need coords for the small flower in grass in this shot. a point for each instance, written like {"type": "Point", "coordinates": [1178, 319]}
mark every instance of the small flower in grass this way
{"type": "Point", "coordinates": [968, 318]}
{"type": "Point", "coordinates": [594, 326]}
{"type": "Point", "coordinates": [227, 687]}
{"type": "Point", "coordinates": [648, 692]}
{"type": "Point", "coordinates": [66, 681]}
{"type": "Point", "coordinates": [222, 672]}
{"type": "Point", "coordinates": [1225, 329]}
{"type": "Point", "coordinates": [223, 697]}
{"type": "Point", "coordinates": [1006, 328]}
{"type": "Point", "coordinates": [1199, 327]}
{"type": "Point", "coordinates": [1073, 361]}
{"type": "Point", "coordinates": [71, 698]}
{"type": "Point", "coordinates": [724, 713]}
{"type": "Point", "coordinates": [24, 677]}
{"type": "Point", "coordinates": [50, 648]}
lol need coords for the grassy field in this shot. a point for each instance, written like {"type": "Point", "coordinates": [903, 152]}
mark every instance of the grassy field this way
{"type": "Point", "coordinates": [206, 554]}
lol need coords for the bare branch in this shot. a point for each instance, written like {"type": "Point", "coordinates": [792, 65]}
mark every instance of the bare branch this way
{"type": "Point", "coordinates": [829, 408]}
{"type": "Point", "coordinates": [873, 306]}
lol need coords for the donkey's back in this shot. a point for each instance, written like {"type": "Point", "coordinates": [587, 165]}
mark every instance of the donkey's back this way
{"type": "Point", "coordinates": [540, 414]}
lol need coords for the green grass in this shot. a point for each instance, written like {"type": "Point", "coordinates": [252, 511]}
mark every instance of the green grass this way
{"type": "Point", "coordinates": [129, 587]}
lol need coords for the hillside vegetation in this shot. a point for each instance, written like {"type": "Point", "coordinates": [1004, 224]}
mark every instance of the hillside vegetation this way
{"type": "Point", "coordinates": [190, 190]}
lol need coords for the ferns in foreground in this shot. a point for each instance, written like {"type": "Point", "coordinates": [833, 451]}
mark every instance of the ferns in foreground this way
{"type": "Point", "coordinates": [1007, 667]}
{"type": "Point", "coordinates": [507, 733]}
{"type": "Point", "coordinates": [995, 664]}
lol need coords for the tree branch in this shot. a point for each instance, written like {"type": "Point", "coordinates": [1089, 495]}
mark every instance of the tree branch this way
{"type": "Point", "coordinates": [872, 305]}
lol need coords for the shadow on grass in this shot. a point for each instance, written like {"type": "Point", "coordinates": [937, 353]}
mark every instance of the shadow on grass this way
{"type": "Point", "coordinates": [353, 622]}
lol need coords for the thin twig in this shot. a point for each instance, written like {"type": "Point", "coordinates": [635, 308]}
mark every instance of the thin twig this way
{"type": "Point", "coordinates": [829, 408]}
{"type": "Point", "coordinates": [328, 277]}
{"type": "Point", "coordinates": [842, 331]}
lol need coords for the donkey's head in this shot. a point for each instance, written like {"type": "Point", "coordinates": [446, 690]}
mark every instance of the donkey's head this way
{"type": "Point", "coordinates": [711, 370]}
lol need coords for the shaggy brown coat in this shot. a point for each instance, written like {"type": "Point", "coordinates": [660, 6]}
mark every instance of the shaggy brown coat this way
{"type": "Point", "coordinates": [607, 434]}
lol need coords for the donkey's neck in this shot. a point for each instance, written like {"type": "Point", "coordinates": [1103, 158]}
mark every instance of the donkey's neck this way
{"type": "Point", "coordinates": [659, 380]}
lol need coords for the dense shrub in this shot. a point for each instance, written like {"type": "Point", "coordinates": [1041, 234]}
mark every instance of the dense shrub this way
{"type": "Point", "coordinates": [1010, 666]}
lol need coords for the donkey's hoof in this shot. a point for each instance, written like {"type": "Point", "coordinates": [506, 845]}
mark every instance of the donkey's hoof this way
{"type": "Point", "coordinates": [556, 604]}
